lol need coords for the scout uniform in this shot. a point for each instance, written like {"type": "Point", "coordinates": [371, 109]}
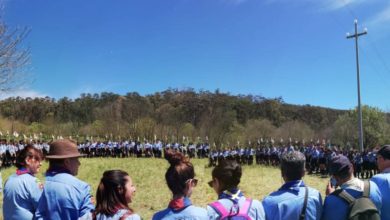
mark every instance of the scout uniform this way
{"type": "Point", "coordinates": [21, 195]}
{"type": "Point", "coordinates": [287, 202]}
{"type": "Point", "coordinates": [181, 209]}
{"type": "Point", "coordinates": [64, 196]}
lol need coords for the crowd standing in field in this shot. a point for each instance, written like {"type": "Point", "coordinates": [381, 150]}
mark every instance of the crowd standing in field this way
{"type": "Point", "coordinates": [317, 155]}
{"type": "Point", "coordinates": [66, 197]}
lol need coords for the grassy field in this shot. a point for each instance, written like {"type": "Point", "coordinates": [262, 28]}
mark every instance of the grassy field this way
{"type": "Point", "coordinates": [153, 194]}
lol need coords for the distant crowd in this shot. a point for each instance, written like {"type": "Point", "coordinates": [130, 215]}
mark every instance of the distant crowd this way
{"type": "Point", "coordinates": [317, 156]}
{"type": "Point", "coordinates": [64, 196]}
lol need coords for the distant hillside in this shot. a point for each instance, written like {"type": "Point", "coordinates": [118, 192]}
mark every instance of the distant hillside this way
{"type": "Point", "coordinates": [170, 115]}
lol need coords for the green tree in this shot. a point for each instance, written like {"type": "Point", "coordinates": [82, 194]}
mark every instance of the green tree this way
{"type": "Point", "coordinates": [374, 127]}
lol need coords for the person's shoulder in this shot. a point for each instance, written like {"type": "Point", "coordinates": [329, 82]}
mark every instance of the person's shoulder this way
{"type": "Point", "coordinates": [272, 198]}
{"type": "Point", "coordinates": [133, 217]}
{"type": "Point", "coordinates": [256, 204]}
{"type": "Point", "coordinates": [160, 214]}
{"type": "Point", "coordinates": [12, 177]}
{"type": "Point", "coordinates": [15, 179]}
{"type": "Point", "coordinates": [69, 179]}
{"type": "Point", "coordinates": [373, 184]}
{"type": "Point", "coordinates": [374, 190]}
{"type": "Point", "coordinates": [197, 210]}
{"type": "Point", "coordinates": [381, 177]}
{"type": "Point", "coordinates": [334, 199]}
{"type": "Point", "coordinates": [314, 192]}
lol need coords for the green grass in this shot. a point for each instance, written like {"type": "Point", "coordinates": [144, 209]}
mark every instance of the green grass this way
{"type": "Point", "coordinates": [152, 193]}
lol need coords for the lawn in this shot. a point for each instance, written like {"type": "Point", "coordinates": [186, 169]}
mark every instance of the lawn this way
{"type": "Point", "coordinates": [152, 193]}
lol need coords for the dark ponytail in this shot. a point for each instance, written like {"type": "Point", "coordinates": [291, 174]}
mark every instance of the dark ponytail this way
{"type": "Point", "coordinates": [179, 171]}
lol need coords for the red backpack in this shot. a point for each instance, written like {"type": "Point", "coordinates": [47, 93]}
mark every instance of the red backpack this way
{"type": "Point", "coordinates": [224, 214]}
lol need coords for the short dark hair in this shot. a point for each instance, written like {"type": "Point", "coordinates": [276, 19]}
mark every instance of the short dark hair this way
{"type": "Point", "coordinates": [229, 173]}
{"type": "Point", "coordinates": [385, 152]}
{"type": "Point", "coordinates": [293, 165]}
{"type": "Point", "coordinates": [27, 152]}
{"type": "Point", "coordinates": [111, 192]}
{"type": "Point", "coordinates": [179, 171]}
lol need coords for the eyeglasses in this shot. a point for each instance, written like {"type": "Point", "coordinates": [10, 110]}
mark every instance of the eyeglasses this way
{"type": "Point", "coordinates": [194, 182]}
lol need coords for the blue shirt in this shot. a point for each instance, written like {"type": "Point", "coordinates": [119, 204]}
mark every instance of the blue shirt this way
{"type": "Point", "coordinates": [336, 208]}
{"type": "Point", "coordinates": [64, 197]}
{"type": "Point", "coordinates": [287, 202]}
{"type": "Point", "coordinates": [21, 196]}
{"type": "Point", "coordinates": [382, 180]}
{"type": "Point", "coordinates": [118, 216]}
{"type": "Point", "coordinates": [256, 210]}
{"type": "Point", "coordinates": [187, 212]}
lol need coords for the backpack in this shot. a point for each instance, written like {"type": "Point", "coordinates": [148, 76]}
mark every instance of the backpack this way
{"type": "Point", "coordinates": [224, 214]}
{"type": "Point", "coordinates": [361, 208]}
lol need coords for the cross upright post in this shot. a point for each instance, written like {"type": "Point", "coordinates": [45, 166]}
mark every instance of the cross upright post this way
{"type": "Point", "coordinates": [356, 36]}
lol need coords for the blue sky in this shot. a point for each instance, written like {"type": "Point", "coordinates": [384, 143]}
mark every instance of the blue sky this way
{"type": "Point", "coordinates": [294, 49]}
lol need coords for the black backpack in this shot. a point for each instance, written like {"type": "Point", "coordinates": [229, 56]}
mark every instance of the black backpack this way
{"type": "Point", "coordinates": [361, 208]}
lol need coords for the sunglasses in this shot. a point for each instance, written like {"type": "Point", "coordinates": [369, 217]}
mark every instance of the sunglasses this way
{"type": "Point", "coordinates": [194, 182]}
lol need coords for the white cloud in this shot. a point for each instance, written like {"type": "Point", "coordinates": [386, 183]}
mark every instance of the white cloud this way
{"type": "Point", "coordinates": [22, 93]}
{"type": "Point", "coordinates": [338, 4]}
{"type": "Point", "coordinates": [380, 18]}
{"type": "Point", "coordinates": [322, 5]}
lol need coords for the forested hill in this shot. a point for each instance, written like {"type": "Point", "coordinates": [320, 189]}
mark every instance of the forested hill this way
{"type": "Point", "coordinates": [165, 114]}
{"type": "Point", "coordinates": [176, 106]}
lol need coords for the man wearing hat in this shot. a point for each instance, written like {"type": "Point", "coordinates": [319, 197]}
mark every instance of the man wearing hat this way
{"type": "Point", "coordinates": [383, 179]}
{"type": "Point", "coordinates": [64, 196]}
{"type": "Point", "coordinates": [341, 169]}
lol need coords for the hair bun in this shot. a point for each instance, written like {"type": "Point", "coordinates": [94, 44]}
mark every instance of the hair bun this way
{"type": "Point", "coordinates": [174, 158]}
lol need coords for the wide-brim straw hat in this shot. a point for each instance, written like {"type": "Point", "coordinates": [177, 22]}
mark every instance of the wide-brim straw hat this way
{"type": "Point", "coordinates": [62, 149]}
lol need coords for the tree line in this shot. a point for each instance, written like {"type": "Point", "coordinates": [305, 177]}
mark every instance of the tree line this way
{"type": "Point", "coordinates": [189, 115]}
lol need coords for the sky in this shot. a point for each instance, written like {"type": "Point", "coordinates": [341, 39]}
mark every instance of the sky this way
{"type": "Point", "coordinates": [296, 50]}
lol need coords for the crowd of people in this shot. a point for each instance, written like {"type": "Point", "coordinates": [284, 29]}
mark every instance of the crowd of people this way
{"type": "Point", "coordinates": [64, 196]}
{"type": "Point", "coordinates": [317, 155]}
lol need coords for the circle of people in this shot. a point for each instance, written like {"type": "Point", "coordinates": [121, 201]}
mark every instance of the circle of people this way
{"type": "Point", "coordinates": [64, 196]}
{"type": "Point", "coordinates": [317, 155]}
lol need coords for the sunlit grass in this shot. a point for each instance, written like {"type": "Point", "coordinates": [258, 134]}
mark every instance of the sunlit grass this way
{"type": "Point", "coordinates": [153, 194]}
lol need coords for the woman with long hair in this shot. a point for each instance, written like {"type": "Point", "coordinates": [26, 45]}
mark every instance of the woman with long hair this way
{"type": "Point", "coordinates": [22, 190]}
{"type": "Point", "coordinates": [114, 193]}
{"type": "Point", "coordinates": [231, 201]}
{"type": "Point", "coordinates": [180, 178]}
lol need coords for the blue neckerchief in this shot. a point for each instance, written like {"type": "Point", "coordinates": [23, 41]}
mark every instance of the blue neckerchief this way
{"type": "Point", "coordinates": [293, 185]}
{"type": "Point", "coordinates": [179, 204]}
{"type": "Point", "coordinates": [56, 170]}
{"type": "Point", "coordinates": [234, 195]}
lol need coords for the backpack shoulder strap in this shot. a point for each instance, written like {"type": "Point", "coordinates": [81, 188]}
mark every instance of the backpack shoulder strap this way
{"type": "Point", "coordinates": [246, 206]}
{"type": "Point", "coordinates": [303, 212]}
{"type": "Point", "coordinates": [219, 208]}
{"type": "Point", "coordinates": [366, 191]}
{"type": "Point", "coordinates": [344, 195]}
